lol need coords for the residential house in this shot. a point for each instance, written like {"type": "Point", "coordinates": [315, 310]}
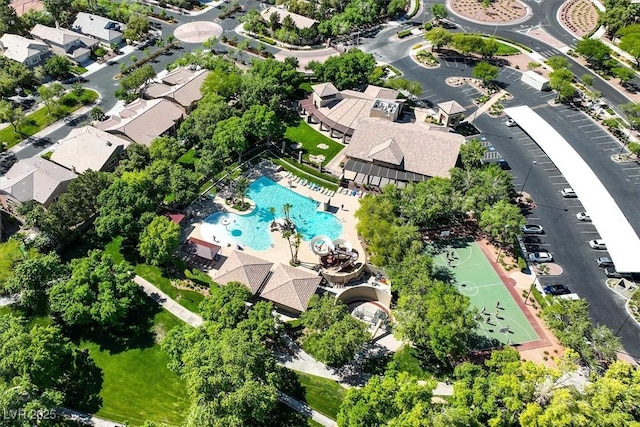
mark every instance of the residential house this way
{"type": "Point", "coordinates": [339, 111]}
{"type": "Point", "coordinates": [104, 29]}
{"type": "Point", "coordinates": [65, 42]}
{"type": "Point", "coordinates": [182, 86]}
{"type": "Point", "coordinates": [90, 148]}
{"type": "Point", "coordinates": [26, 51]}
{"type": "Point", "coordinates": [35, 179]}
{"type": "Point", "coordinates": [383, 152]}
{"type": "Point", "coordinates": [142, 120]}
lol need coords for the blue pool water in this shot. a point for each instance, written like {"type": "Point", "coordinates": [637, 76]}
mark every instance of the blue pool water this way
{"type": "Point", "coordinates": [252, 230]}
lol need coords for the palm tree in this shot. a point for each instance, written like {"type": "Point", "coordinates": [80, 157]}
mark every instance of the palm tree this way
{"type": "Point", "coordinates": [297, 239]}
{"type": "Point", "coordinates": [287, 233]}
{"type": "Point", "coordinates": [287, 209]}
{"type": "Point", "coordinates": [272, 211]}
{"type": "Point", "coordinates": [242, 185]}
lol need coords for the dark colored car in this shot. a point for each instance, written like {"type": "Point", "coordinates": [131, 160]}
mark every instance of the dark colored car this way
{"type": "Point", "coordinates": [612, 273]}
{"type": "Point", "coordinates": [604, 261]}
{"type": "Point", "coordinates": [504, 165]}
{"type": "Point", "coordinates": [556, 290]}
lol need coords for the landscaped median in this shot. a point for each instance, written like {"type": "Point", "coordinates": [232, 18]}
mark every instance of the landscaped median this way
{"type": "Point", "coordinates": [40, 119]}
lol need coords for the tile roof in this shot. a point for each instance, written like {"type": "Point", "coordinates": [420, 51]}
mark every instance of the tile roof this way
{"type": "Point", "coordinates": [34, 178]}
{"type": "Point", "coordinates": [60, 36]}
{"type": "Point", "coordinates": [21, 48]}
{"type": "Point", "coordinates": [142, 120]}
{"type": "Point", "coordinates": [291, 287]}
{"type": "Point", "coordinates": [451, 107]}
{"type": "Point", "coordinates": [244, 268]}
{"type": "Point", "coordinates": [325, 89]}
{"type": "Point", "coordinates": [388, 151]}
{"type": "Point", "coordinates": [23, 6]}
{"type": "Point", "coordinates": [185, 93]}
{"type": "Point", "coordinates": [98, 26]}
{"type": "Point", "coordinates": [88, 148]}
{"type": "Point", "coordinates": [425, 150]}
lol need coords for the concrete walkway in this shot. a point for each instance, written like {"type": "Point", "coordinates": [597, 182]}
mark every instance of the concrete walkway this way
{"type": "Point", "coordinates": [165, 301]}
{"type": "Point", "coordinates": [8, 300]}
{"type": "Point", "coordinates": [86, 419]}
{"type": "Point", "coordinates": [304, 409]}
{"type": "Point", "coordinates": [304, 362]}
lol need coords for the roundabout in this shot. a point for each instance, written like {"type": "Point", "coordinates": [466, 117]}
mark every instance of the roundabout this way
{"type": "Point", "coordinates": [197, 32]}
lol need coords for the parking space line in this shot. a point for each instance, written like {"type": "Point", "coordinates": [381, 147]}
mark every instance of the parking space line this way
{"type": "Point", "coordinates": [631, 169]}
{"type": "Point", "coordinates": [633, 176]}
{"type": "Point", "coordinates": [549, 169]}
{"type": "Point", "coordinates": [601, 136]}
{"type": "Point", "coordinates": [589, 232]}
{"type": "Point", "coordinates": [555, 176]}
{"type": "Point", "coordinates": [545, 163]}
{"type": "Point", "coordinates": [611, 149]}
{"type": "Point", "coordinates": [586, 126]}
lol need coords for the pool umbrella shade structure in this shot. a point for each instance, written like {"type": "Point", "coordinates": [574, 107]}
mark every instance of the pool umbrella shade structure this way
{"type": "Point", "coordinates": [204, 249]}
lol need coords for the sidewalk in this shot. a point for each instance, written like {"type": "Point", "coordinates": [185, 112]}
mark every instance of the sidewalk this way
{"type": "Point", "coordinates": [304, 409]}
{"type": "Point", "coordinates": [171, 305]}
{"type": "Point", "coordinates": [87, 419]}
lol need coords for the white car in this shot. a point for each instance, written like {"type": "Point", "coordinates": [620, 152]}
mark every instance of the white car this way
{"type": "Point", "coordinates": [510, 123]}
{"type": "Point", "coordinates": [583, 216]}
{"type": "Point", "coordinates": [568, 193]}
{"type": "Point", "coordinates": [597, 244]}
{"type": "Point", "coordinates": [540, 257]}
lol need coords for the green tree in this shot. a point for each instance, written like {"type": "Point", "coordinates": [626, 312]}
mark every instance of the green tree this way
{"type": "Point", "coordinates": [561, 80]}
{"type": "Point", "coordinates": [485, 72]}
{"type": "Point", "coordinates": [261, 124]}
{"type": "Point", "coordinates": [624, 74]}
{"type": "Point", "coordinates": [58, 66]}
{"type": "Point", "coordinates": [489, 47]}
{"type": "Point", "coordinates": [97, 114]}
{"type": "Point", "coordinates": [632, 110]}
{"type": "Point", "coordinates": [471, 153]}
{"type": "Point", "coordinates": [9, 113]}
{"type": "Point", "coordinates": [137, 26]}
{"type": "Point", "coordinates": [337, 342]}
{"type": "Point", "coordinates": [159, 240]}
{"type": "Point", "coordinates": [229, 134]}
{"type": "Point", "coordinates": [533, 65]}
{"type": "Point", "coordinates": [13, 74]}
{"type": "Point", "coordinates": [166, 147]}
{"type": "Point", "coordinates": [439, 321]}
{"type": "Point", "coordinates": [439, 37]}
{"type": "Point", "coordinates": [99, 293]}
{"type": "Point", "coordinates": [33, 278]}
{"type": "Point", "coordinates": [439, 11]}
{"type": "Point", "coordinates": [9, 20]}
{"type": "Point", "coordinates": [388, 400]}
{"type": "Point", "coordinates": [587, 79]}
{"type": "Point", "coordinates": [49, 95]}
{"type": "Point", "coordinates": [130, 85]}
{"type": "Point", "coordinates": [557, 62]}
{"type": "Point", "coordinates": [594, 51]}
{"type": "Point", "coordinates": [346, 71]}
{"type": "Point", "coordinates": [502, 222]}
{"type": "Point", "coordinates": [631, 44]}
{"type": "Point", "coordinates": [59, 9]}
{"type": "Point", "coordinates": [226, 305]}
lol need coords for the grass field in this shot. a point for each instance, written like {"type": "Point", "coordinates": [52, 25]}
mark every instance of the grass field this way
{"type": "Point", "coordinates": [41, 118]}
{"type": "Point", "coordinates": [309, 138]}
{"type": "Point", "coordinates": [323, 395]}
{"type": "Point", "coordinates": [10, 255]}
{"type": "Point", "coordinates": [137, 385]}
{"type": "Point", "coordinates": [475, 277]}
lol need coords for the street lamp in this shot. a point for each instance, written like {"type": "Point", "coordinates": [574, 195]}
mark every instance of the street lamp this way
{"type": "Point", "coordinates": [527, 176]}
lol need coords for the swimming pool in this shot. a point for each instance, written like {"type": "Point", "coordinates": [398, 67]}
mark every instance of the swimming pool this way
{"type": "Point", "coordinates": [252, 230]}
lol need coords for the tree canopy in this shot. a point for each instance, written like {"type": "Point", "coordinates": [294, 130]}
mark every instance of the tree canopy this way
{"type": "Point", "coordinates": [159, 240]}
{"type": "Point", "coordinates": [347, 71]}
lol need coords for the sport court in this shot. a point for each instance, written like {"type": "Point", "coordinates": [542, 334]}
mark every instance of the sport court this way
{"type": "Point", "coordinates": [501, 320]}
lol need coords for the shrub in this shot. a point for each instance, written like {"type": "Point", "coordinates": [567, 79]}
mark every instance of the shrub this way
{"type": "Point", "coordinates": [404, 33]}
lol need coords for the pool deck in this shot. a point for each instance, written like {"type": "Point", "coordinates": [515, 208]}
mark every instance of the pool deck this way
{"type": "Point", "coordinates": [280, 252]}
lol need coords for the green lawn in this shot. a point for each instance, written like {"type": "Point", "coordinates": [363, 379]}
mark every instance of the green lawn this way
{"type": "Point", "coordinates": [188, 159]}
{"type": "Point", "coordinates": [188, 299]}
{"type": "Point", "coordinates": [113, 249]}
{"type": "Point", "coordinates": [406, 360]}
{"type": "Point", "coordinates": [10, 255]}
{"type": "Point", "coordinates": [310, 138]}
{"type": "Point", "coordinates": [505, 49]}
{"type": "Point", "coordinates": [137, 385]}
{"type": "Point", "coordinates": [41, 118]}
{"type": "Point", "coordinates": [321, 394]}
{"type": "Point", "coordinates": [308, 173]}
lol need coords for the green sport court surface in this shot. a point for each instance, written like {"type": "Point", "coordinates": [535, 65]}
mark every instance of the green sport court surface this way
{"type": "Point", "coordinates": [474, 277]}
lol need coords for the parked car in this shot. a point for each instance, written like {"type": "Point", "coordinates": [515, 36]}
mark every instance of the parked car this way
{"type": "Point", "coordinates": [532, 229]}
{"type": "Point", "coordinates": [510, 123]}
{"type": "Point", "coordinates": [556, 290]}
{"type": "Point", "coordinates": [540, 257]}
{"type": "Point", "coordinates": [612, 273]}
{"type": "Point", "coordinates": [504, 165]}
{"type": "Point", "coordinates": [568, 193]}
{"type": "Point", "coordinates": [597, 244]}
{"type": "Point", "coordinates": [583, 216]}
{"type": "Point", "coordinates": [604, 261]}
